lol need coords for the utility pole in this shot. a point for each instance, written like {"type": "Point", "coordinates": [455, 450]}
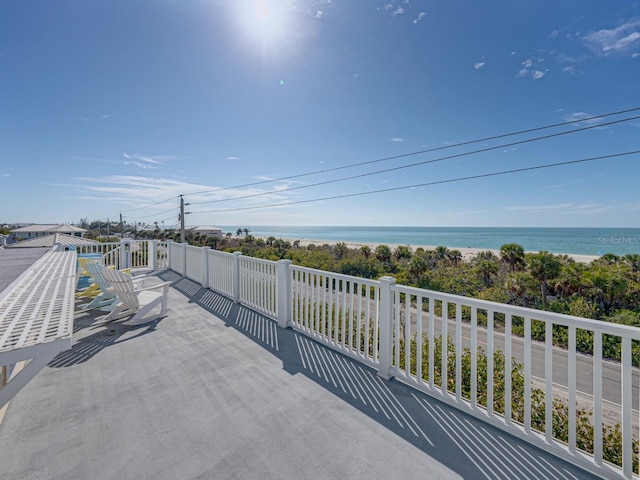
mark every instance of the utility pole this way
{"type": "Point", "coordinates": [121, 227]}
{"type": "Point", "coordinates": [181, 219]}
{"type": "Point", "coordinates": [108, 227]}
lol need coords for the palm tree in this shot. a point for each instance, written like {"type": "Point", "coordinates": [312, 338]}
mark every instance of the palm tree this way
{"type": "Point", "coordinates": [239, 232]}
{"type": "Point", "coordinates": [417, 266]}
{"type": "Point", "coordinates": [442, 253]}
{"type": "Point", "coordinates": [513, 255]}
{"type": "Point", "coordinates": [246, 231]}
{"type": "Point", "coordinates": [366, 251]}
{"type": "Point", "coordinates": [633, 260]}
{"type": "Point", "coordinates": [402, 251]}
{"type": "Point", "coordinates": [544, 266]}
{"type": "Point", "coordinates": [383, 253]}
{"type": "Point", "coordinates": [341, 250]}
{"type": "Point", "coordinates": [455, 256]}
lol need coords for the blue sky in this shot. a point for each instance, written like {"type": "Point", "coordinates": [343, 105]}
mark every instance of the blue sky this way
{"type": "Point", "coordinates": [110, 107]}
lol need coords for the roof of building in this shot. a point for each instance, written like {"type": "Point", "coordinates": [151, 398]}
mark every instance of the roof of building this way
{"type": "Point", "coordinates": [64, 228]}
{"type": "Point", "coordinates": [15, 262]}
{"type": "Point", "coordinates": [49, 240]}
{"type": "Point", "coordinates": [206, 229]}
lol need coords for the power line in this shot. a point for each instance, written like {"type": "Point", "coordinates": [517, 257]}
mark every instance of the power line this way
{"type": "Point", "coordinates": [150, 205]}
{"type": "Point", "coordinates": [425, 162]}
{"type": "Point", "coordinates": [419, 152]}
{"type": "Point", "coordinates": [437, 182]}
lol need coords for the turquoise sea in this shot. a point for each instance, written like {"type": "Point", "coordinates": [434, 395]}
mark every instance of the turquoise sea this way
{"type": "Point", "coordinates": [583, 241]}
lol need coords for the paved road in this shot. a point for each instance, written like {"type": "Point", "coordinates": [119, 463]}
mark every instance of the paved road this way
{"type": "Point", "coordinates": [611, 371]}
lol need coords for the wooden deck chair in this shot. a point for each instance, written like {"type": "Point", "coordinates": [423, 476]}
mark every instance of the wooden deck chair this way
{"type": "Point", "coordinates": [134, 301]}
{"type": "Point", "coordinates": [106, 296]}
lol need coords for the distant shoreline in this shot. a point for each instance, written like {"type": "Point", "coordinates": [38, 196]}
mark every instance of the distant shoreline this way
{"type": "Point", "coordinates": [467, 252]}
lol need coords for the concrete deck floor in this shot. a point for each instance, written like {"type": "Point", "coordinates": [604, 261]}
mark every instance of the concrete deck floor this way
{"type": "Point", "coordinates": [214, 390]}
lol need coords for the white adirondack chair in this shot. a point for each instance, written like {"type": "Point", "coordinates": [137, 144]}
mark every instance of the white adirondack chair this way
{"type": "Point", "coordinates": [134, 301]}
{"type": "Point", "coordinates": [107, 297]}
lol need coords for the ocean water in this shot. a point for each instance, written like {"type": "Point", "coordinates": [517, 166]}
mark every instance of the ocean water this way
{"type": "Point", "coordinates": [582, 241]}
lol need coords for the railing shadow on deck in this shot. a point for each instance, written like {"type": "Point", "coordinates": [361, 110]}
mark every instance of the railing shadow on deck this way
{"type": "Point", "coordinates": [464, 444]}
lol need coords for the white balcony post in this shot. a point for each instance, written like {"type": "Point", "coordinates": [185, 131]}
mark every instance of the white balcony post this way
{"type": "Point", "coordinates": [205, 267]}
{"type": "Point", "coordinates": [152, 254]}
{"type": "Point", "coordinates": [125, 254]}
{"type": "Point", "coordinates": [169, 248]}
{"type": "Point", "coordinates": [184, 258]}
{"type": "Point", "coordinates": [236, 276]}
{"type": "Point", "coordinates": [283, 290]}
{"type": "Point", "coordinates": [386, 326]}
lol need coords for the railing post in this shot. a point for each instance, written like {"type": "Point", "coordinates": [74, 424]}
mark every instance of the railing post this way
{"type": "Point", "coordinates": [169, 246]}
{"type": "Point", "coordinates": [236, 276]}
{"type": "Point", "coordinates": [125, 254]}
{"type": "Point", "coordinates": [205, 267]}
{"type": "Point", "coordinates": [152, 254]}
{"type": "Point", "coordinates": [386, 326]}
{"type": "Point", "coordinates": [184, 258]}
{"type": "Point", "coordinates": [283, 291]}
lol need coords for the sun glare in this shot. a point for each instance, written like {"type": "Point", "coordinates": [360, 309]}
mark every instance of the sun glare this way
{"type": "Point", "coordinates": [265, 21]}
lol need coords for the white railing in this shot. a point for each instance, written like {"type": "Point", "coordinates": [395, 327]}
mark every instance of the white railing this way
{"type": "Point", "coordinates": [177, 254]}
{"type": "Point", "coordinates": [221, 272]}
{"type": "Point", "coordinates": [257, 285]}
{"type": "Point", "coordinates": [135, 254]}
{"type": "Point", "coordinates": [517, 368]}
{"type": "Point", "coordinates": [337, 310]}
{"type": "Point", "coordinates": [194, 263]}
{"type": "Point", "coordinates": [537, 401]}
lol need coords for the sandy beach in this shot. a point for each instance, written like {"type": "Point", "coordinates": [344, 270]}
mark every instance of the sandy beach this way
{"type": "Point", "coordinates": [467, 252]}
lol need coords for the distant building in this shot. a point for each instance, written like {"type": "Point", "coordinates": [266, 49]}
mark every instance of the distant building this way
{"type": "Point", "coordinates": [35, 231]}
{"type": "Point", "coordinates": [49, 240]}
{"type": "Point", "coordinates": [208, 231]}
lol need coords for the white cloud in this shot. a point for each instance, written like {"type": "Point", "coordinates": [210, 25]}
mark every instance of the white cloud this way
{"type": "Point", "coordinates": [478, 65]}
{"type": "Point", "coordinates": [582, 118]}
{"type": "Point", "coordinates": [397, 139]}
{"type": "Point", "coordinates": [523, 72]}
{"type": "Point", "coordinates": [419, 18]}
{"type": "Point", "coordinates": [107, 115]}
{"type": "Point", "coordinates": [319, 14]}
{"type": "Point", "coordinates": [148, 159]}
{"type": "Point", "coordinates": [554, 34]}
{"type": "Point", "coordinates": [527, 63]}
{"type": "Point", "coordinates": [617, 39]}
{"type": "Point", "coordinates": [398, 11]}
{"type": "Point", "coordinates": [233, 158]}
{"type": "Point", "coordinates": [6, 175]}
{"type": "Point", "coordinates": [635, 55]}
{"type": "Point", "coordinates": [513, 53]}
{"type": "Point", "coordinates": [537, 74]}
{"type": "Point", "coordinates": [571, 70]}
{"type": "Point", "coordinates": [563, 208]}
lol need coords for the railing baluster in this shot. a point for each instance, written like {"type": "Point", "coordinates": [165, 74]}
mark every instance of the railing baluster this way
{"type": "Point", "coordinates": [458, 351]}
{"type": "Point", "coordinates": [445, 347]}
{"type": "Point", "coordinates": [432, 346]}
{"type": "Point", "coordinates": [397, 316]}
{"type": "Point", "coordinates": [419, 339]}
{"type": "Point", "coordinates": [474, 357]}
{"type": "Point", "coordinates": [507, 369]}
{"type": "Point", "coordinates": [490, 363]}
{"type": "Point", "coordinates": [627, 412]}
{"type": "Point", "coordinates": [548, 379]}
{"type": "Point", "coordinates": [572, 388]}
{"type": "Point", "coordinates": [597, 396]}
{"type": "Point", "coordinates": [407, 335]}
{"type": "Point", "coordinates": [527, 374]}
